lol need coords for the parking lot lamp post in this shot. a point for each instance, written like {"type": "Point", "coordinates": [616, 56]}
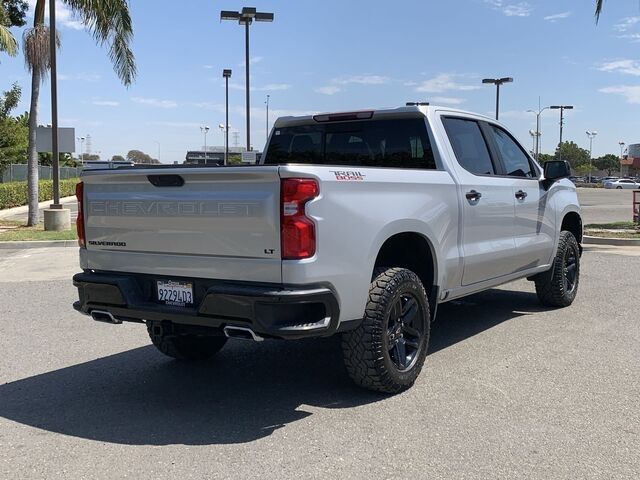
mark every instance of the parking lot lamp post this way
{"type": "Point", "coordinates": [538, 133]}
{"type": "Point", "coordinates": [562, 108]}
{"type": "Point", "coordinates": [81, 140]}
{"type": "Point", "coordinates": [226, 73]}
{"type": "Point", "coordinates": [622, 144]}
{"type": "Point", "coordinates": [204, 131]}
{"type": "Point", "coordinates": [246, 17]}
{"type": "Point", "coordinates": [591, 134]}
{"type": "Point", "coordinates": [497, 82]}
{"type": "Point", "coordinates": [267, 103]}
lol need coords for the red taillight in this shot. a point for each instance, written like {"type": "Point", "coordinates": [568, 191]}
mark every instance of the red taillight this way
{"type": "Point", "coordinates": [80, 219]}
{"type": "Point", "coordinates": [297, 231]}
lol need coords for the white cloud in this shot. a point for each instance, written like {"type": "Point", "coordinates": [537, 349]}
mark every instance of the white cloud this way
{"type": "Point", "coordinates": [631, 67]}
{"type": "Point", "coordinates": [361, 80]}
{"type": "Point", "coordinates": [252, 61]}
{"type": "Point", "coordinates": [154, 102]}
{"type": "Point", "coordinates": [634, 37]}
{"type": "Point", "coordinates": [265, 88]}
{"type": "Point", "coordinates": [328, 90]}
{"type": "Point", "coordinates": [521, 9]}
{"type": "Point", "coordinates": [208, 67]}
{"type": "Point", "coordinates": [557, 16]}
{"type": "Point", "coordinates": [106, 103]}
{"type": "Point", "coordinates": [447, 100]}
{"type": "Point", "coordinates": [82, 77]}
{"type": "Point", "coordinates": [631, 92]}
{"type": "Point", "coordinates": [626, 24]}
{"type": "Point", "coordinates": [442, 83]}
{"type": "Point", "coordinates": [176, 124]}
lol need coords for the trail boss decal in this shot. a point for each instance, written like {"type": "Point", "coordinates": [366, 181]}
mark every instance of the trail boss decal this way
{"type": "Point", "coordinates": [348, 175]}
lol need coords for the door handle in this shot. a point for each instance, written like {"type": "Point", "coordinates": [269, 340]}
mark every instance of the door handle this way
{"type": "Point", "coordinates": [473, 195]}
{"type": "Point", "coordinates": [521, 195]}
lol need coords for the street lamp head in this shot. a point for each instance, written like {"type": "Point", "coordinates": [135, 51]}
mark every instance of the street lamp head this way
{"type": "Point", "coordinates": [226, 73]}
{"type": "Point", "coordinates": [489, 80]}
{"type": "Point", "coordinates": [506, 80]}
{"type": "Point", "coordinates": [228, 15]}
{"type": "Point", "coordinates": [263, 17]}
{"type": "Point", "coordinates": [568, 107]}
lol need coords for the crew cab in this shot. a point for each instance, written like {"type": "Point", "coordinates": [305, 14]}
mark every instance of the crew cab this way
{"type": "Point", "coordinates": [356, 223]}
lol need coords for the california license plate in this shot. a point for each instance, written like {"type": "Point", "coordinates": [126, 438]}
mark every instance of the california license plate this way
{"type": "Point", "coordinates": [179, 294]}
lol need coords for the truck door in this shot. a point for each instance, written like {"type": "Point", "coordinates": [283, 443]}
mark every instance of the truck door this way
{"type": "Point", "coordinates": [487, 201]}
{"type": "Point", "coordinates": [534, 222]}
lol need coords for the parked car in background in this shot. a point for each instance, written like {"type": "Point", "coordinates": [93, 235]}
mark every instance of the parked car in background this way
{"type": "Point", "coordinates": [622, 183]}
{"type": "Point", "coordinates": [609, 179]}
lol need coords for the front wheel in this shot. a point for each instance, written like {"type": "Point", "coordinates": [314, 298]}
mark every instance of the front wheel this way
{"type": "Point", "coordinates": [558, 287]}
{"type": "Point", "coordinates": [184, 346]}
{"type": "Point", "coordinates": [618, 188]}
{"type": "Point", "coordinates": [387, 351]}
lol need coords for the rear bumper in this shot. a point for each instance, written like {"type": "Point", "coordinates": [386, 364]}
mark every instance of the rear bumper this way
{"type": "Point", "coordinates": [270, 310]}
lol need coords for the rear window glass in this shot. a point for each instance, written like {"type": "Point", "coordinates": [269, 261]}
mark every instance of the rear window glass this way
{"type": "Point", "coordinates": [399, 143]}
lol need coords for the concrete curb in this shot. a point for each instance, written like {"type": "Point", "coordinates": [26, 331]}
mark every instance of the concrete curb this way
{"type": "Point", "coordinates": [627, 242]}
{"type": "Point", "coordinates": [38, 244]}
{"type": "Point", "coordinates": [10, 212]}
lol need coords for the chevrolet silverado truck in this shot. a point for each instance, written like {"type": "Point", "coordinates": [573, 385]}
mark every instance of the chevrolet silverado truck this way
{"type": "Point", "coordinates": [356, 223]}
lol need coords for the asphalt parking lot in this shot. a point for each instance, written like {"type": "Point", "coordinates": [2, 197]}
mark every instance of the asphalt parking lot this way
{"type": "Point", "coordinates": [510, 390]}
{"type": "Point", "coordinates": [601, 205]}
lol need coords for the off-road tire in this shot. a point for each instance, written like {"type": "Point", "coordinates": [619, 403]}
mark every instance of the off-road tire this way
{"type": "Point", "coordinates": [551, 286]}
{"type": "Point", "coordinates": [185, 347]}
{"type": "Point", "coordinates": [365, 349]}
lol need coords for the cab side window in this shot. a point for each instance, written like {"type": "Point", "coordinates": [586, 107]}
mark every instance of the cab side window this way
{"type": "Point", "coordinates": [515, 161]}
{"type": "Point", "coordinates": [469, 145]}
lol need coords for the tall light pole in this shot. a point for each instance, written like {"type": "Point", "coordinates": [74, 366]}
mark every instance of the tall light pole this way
{"type": "Point", "coordinates": [204, 131]}
{"type": "Point", "coordinates": [622, 144]}
{"type": "Point", "coordinates": [538, 132]}
{"type": "Point", "coordinates": [562, 108]}
{"type": "Point", "coordinates": [267, 103]}
{"type": "Point", "coordinates": [81, 140]}
{"type": "Point", "coordinates": [246, 17]}
{"type": "Point", "coordinates": [226, 73]}
{"type": "Point", "coordinates": [54, 106]}
{"type": "Point", "coordinates": [534, 137]}
{"type": "Point", "coordinates": [591, 134]}
{"type": "Point", "coordinates": [497, 82]}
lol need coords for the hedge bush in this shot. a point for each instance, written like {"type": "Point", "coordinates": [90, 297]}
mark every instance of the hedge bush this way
{"type": "Point", "coordinates": [14, 194]}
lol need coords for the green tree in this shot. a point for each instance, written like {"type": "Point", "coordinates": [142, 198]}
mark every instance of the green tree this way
{"type": "Point", "coordinates": [117, 158]}
{"type": "Point", "coordinates": [609, 162]}
{"type": "Point", "coordinates": [12, 14]}
{"type": "Point", "coordinates": [13, 131]}
{"type": "Point", "coordinates": [572, 153]}
{"type": "Point", "coordinates": [583, 169]}
{"type": "Point", "coordinates": [109, 22]}
{"type": "Point", "coordinates": [544, 157]}
{"type": "Point", "coordinates": [138, 156]}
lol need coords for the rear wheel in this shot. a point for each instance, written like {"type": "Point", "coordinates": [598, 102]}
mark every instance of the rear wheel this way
{"type": "Point", "coordinates": [184, 346]}
{"type": "Point", "coordinates": [387, 351]}
{"type": "Point", "coordinates": [558, 287]}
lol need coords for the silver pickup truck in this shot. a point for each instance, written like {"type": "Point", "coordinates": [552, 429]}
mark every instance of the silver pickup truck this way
{"type": "Point", "coordinates": [356, 223]}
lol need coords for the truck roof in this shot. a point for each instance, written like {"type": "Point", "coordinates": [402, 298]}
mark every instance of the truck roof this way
{"type": "Point", "coordinates": [399, 112]}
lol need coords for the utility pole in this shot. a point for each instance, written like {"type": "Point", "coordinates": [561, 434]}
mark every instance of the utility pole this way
{"type": "Point", "coordinates": [562, 108]}
{"type": "Point", "coordinates": [591, 134]}
{"type": "Point", "coordinates": [226, 73]}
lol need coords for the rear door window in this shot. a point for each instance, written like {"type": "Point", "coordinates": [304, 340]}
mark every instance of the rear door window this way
{"type": "Point", "coordinates": [469, 145]}
{"type": "Point", "coordinates": [399, 143]}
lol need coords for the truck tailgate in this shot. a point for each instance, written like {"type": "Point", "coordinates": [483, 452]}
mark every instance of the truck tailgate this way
{"type": "Point", "coordinates": [226, 219]}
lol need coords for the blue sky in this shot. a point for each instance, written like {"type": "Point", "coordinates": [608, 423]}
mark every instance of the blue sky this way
{"type": "Point", "coordinates": [336, 55]}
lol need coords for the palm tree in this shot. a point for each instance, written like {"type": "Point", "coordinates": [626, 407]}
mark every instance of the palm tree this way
{"type": "Point", "coordinates": [109, 22]}
{"type": "Point", "coordinates": [598, 9]}
{"type": "Point", "coordinates": [8, 43]}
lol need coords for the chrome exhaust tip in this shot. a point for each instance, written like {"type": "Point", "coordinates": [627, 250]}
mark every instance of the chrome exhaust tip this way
{"type": "Point", "coordinates": [241, 333]}
{"type": "Point", "coordinates": [105, 317]}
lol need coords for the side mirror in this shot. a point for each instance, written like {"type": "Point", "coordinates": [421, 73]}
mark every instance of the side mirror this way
{"type": "Point", "coordinates": [555, 170]}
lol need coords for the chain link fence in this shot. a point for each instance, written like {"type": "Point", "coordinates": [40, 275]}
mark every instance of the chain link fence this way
{"type": "Point", "coordinates": [18, 173]}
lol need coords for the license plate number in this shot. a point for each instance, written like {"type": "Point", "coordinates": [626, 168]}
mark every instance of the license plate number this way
{"type": "Point", "coordinates": [179, 294]}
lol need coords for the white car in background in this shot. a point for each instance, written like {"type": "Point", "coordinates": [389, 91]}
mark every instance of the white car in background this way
{"type": "Point", "coordinates": [622, 183]}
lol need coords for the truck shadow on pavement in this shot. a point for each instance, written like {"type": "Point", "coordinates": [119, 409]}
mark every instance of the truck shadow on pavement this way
{"type": "Point", "coordinates": [139, 397]}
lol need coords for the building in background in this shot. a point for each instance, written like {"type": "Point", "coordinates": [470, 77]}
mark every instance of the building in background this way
{"type": "Point", "coordinates": [215, 156]}
{"type": "Point", "coordinates": [630, 163]}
